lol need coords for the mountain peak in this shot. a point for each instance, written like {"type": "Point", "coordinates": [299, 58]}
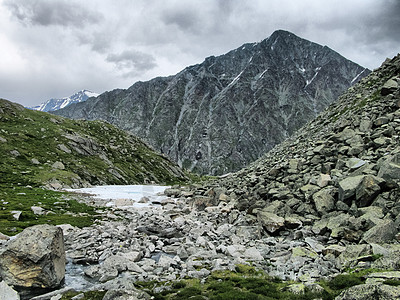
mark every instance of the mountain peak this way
{"type": "Point", "coordinates": [55, 104]}
{"type": "Point", "coordinates": [220, 115]}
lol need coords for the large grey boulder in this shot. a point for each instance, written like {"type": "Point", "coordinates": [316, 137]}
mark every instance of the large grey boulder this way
{"type": "Point", "coordinates": [383, 232]}
{"type": "Point", "coordinates": [370, 291]}
{"type": "Point", "coordinates": [270, 221]}
{"type": "Point", "coordinates": [324, 201]}
{"type": "Point", "coordinates": [36, 258]}
{"type": "Point", "coordinates": [348, 186]}
{"type": "Point", "coordinates": [7, 293]}
{"type": "Point", "coordinates": [368, 189]}
{"type": "Point", "coordinates": [389, 87]}
{"type": "Point", "coordinates": [390, 168]}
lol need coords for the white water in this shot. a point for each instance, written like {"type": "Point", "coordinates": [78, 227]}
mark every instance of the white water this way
{"type": "Point", "coordinates": [125, 195]}
{"type": "Point", "coordinates": [112, 195]}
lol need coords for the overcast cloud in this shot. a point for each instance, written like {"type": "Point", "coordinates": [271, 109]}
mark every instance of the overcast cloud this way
{"type": "Point", "coordinates": [53, 48]}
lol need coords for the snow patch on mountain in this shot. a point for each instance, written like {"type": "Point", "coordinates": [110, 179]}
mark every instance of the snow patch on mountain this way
{"type": "Point", "coordinates": [55, 104]}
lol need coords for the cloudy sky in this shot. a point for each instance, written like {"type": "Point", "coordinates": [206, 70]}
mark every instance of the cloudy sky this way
{"type": "Point", "coordinates": [54, 48]}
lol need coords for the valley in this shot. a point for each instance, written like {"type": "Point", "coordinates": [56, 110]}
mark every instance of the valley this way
{"type": "Point", "coordinates": [315, 217]}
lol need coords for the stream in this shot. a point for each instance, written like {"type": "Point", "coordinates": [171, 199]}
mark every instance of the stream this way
{"type": "Point", "coordinates": [113, 196]}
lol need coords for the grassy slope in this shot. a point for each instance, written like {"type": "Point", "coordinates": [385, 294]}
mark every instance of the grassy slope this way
{"type": "Point", "coordinates": [37, 135]}
{"type": "Point", "coordinates": [98, 153]}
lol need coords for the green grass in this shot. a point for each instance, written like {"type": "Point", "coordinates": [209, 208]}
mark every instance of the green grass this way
{"type": "Point", "coordinates": [92, 295]}
{"type": "Point", "coordinates": [59, 208]}
{"type": "Point", "coordinates": [392, 282]}
{"type": "Point", "coordinates": [95, 149]}
{"type": "Point", "coordinates": [245, 282]}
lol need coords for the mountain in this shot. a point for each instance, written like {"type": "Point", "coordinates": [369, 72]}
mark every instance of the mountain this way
{"type": "Point", "coordinates": [40, 149]}
{"type": "Point", "coordinates": [323, 202]}
{"type": "Point", "coordinates": [222, 114]}
{"type": "Point", "coordinates": [54, 104]}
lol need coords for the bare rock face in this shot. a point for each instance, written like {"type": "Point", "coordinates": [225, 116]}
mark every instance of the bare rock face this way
{"type": "Point", "coordinates": [220, 115]}
{"type": "Point", "coordinates": [36, 258]}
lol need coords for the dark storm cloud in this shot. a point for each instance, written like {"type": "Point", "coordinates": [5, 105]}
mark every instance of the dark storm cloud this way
{"type": "Point", "coordinates": [48, 12]}
{"type": "Point", "coordinates": [385, 25]}
{"type": "Point", "coordinates": [132, 61]}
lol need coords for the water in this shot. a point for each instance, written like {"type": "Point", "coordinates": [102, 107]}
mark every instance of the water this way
{"type": "Point", "coordinates": [125, 195]}
{"type": "Point", "coordinates": [75, 277]}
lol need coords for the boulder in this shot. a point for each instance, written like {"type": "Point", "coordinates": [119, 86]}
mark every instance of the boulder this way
{"type": "Point", "coordinates": [7, 293]}
{"type": "Point", "coordinates": [355, 163]}
{"type": "Point", "coordinates": [383, 232]}
{"type": "Point", "coordinates": [389, 87]}
{"type": "Point", "coordinates": [323, 180]}
{"type": "Point", "coordinates": [130, 294]}
{"type": "Point", "coordinates": [368, 189]}
{"type": "Point", "coordinates": [58, 165]}
{"type": "Point", "coordinates": [36, 258]}
{"type": "Point", "coordinates": [348, 186]}
{"type": "Point", "coordinates": [324, 201]}
{"type": "Point", "coordinates": [390, 168]}
{"type": "Point", "coordinates": [270, 221]}
{"type": "Point", "coordinates": [370, 291]}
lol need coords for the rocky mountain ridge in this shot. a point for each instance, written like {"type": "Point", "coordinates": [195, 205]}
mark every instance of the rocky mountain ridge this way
{"type": "Point", "coordinates": [222, 114]}
{"type": "Point", "coordinates": [55, 104]}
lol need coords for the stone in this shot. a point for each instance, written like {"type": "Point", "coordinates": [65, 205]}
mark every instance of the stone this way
{"type": "Point", "coordinates": [355, 163]}
{"type": "Point", "coordinates": [16, 214]}
{"type": "Point", "coordinates": [58, 165]}
{"type": "Point", "coordinates": [389, 87]}
{"type": "Point", "coordinates": [323, 180]}
{"type": "Point", "coordinates": [36, 258]}
{"type": "Point", "coordinates": [15, 153]}
{"type": "Point", "coordinates": [370, 291]}
{"type": "Point", "coordinates": [165, 261]}
{"type": "Point", "coordinates": [308, 190]}
{"type": "Point", "coordinates": [64, 148]}
{"type": "Point", "coordinates": [368, 189]}
{"type": "Point", "coordinates": [383, 232]}
{"type": "Point", "coordinates": [7, 293]}
{"type": "Point", "coordinates": [304, 252]}
{"type": "Point", "coordinates": [351, 254]}
{"type": "Point", "coordinates": [348, 186]}
{"type": "Point", "coordinates": [315, 245]}
{"type": "Point", "coordinates": [390, 168]}
{"type": "Point", "coordinates": [324, 201]}
{"type": "Point", "coordinates": [35, 161]}
{"type": "Point", "coordinates": [382, 276]}
{"type": "Point", "coordinates": [253, 254]}
{"type": "Point", "coordinates": [37, 210]}
{"type": "Point", "coordinates": [296, 288]}
{"type": "Point", "coordinates": [336, 250]}
{"type": "Point", "coordinates": [365, 125]}
{"type": "Point", "coordinates": [130, 294]}
{"type": "Point", "coordinates": [57, 294]}
{"type": "Point", "coordinates": [270, 221]}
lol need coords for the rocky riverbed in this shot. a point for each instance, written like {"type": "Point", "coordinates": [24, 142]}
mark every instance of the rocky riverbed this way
{"type": "Point", "coordinates": [174, 240]}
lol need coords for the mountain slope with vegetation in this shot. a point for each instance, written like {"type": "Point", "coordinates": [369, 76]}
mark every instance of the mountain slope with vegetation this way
{"type": "Point", "coordinates": [38, 149]}
{"type": "Point", "coordinates": [40, 152]}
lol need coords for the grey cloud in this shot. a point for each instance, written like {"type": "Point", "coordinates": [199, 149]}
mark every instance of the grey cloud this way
{"type": "Point", "coordinates": [132, 61]}
{"type": "Point", "coordinates": [185, 20]}
{"type": "Point", "coordinates": [47, 12]}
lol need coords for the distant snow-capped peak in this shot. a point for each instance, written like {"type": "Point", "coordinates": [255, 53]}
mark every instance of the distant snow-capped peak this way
{"type": "Point", "coordinates": [55, 104]}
